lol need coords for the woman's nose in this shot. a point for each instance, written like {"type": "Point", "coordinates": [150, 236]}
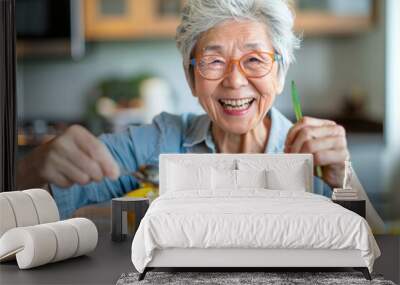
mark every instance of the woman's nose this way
{"type": "Point", "coordinates": [234, 77]}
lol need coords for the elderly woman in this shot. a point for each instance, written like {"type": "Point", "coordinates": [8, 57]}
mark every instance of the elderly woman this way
{"type": "Point", "coordinates": [236, 54]}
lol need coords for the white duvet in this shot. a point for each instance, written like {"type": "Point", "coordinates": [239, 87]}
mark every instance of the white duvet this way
{"type": "Point", "coordinates": [253, 218]}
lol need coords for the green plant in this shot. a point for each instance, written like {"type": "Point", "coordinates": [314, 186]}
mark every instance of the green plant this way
{"type": "Point", "coordinates": [122, 89]}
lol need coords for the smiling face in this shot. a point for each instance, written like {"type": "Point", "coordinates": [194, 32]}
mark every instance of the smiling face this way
{"type": "Point", "coordinates": [236, 104]}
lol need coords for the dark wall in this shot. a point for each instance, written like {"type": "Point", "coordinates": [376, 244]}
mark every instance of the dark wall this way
{"type": "Point", "coordinates": [7, 95]}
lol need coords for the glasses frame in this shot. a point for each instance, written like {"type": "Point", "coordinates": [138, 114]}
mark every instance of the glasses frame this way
{"type": "Point", "coordinates": [273, 55]}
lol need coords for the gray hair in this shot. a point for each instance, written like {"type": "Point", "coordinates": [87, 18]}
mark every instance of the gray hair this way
{"type": "Point", "coordinates": [199, 16]}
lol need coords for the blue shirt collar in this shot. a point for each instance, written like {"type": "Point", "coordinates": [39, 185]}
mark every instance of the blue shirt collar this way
{"type": "Point", "coordinates": [200, 132]}
{"type": "Point", "coordinates": [280, 126]}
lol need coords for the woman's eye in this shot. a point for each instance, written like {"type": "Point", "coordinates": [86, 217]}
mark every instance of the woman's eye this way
{"type": "Point", "coordinates": [216, 61]}
{"type": "Point", "coordinates": [253, 60]}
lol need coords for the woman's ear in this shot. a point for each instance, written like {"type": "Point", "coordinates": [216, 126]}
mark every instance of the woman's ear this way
{"type": "Point", "coordinates": [280, 85]}
{"type": "Point", "coordinates": [279, 82]}
{"type": "Point", "coordinates": [189, 74]}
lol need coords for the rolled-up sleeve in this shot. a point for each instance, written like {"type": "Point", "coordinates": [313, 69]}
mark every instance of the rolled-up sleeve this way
{"type": "Point", "coordinates": [131, 148]}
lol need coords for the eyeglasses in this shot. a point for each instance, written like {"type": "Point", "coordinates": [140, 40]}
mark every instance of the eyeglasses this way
{"type": "Point", "coordinates": [253, 65]}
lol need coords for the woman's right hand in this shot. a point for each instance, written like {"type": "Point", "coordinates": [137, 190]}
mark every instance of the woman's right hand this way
{"type": "Point", "coordinates": [75, 156]}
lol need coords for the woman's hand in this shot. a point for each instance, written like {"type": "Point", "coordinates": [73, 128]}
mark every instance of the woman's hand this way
{"type": "Point", "coordinates": [326, 141]}
{"type": "Point", "coordinates": [75, 156]}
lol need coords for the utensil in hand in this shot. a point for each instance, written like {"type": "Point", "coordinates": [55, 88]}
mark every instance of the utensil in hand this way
{"type": "Point", "coordinates": [299, 115]}
{"type": "Point", "coordinates": [146, 173]}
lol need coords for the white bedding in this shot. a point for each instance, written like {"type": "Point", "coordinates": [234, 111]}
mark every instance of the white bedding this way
{"type": "Point", "coordinates": [251, 218]}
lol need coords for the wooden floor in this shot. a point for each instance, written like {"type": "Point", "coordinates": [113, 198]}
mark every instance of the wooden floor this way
{"type": "Point", "coordinates": [389, 262]}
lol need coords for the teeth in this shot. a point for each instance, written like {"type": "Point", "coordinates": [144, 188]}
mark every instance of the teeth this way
{"type": "Point", "coordinates": [238, 104]}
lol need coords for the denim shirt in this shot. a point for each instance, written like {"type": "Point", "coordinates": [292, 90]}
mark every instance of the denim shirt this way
{"type": "Point", "coordinates": [168, 133]}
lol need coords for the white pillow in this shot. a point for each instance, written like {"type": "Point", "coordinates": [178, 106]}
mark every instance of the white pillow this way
{"type": "Point", "coordinates": [183, 177]}
{"type": "Point", "coordinates": [295, 180]}
{"type": "Point", "coordinates": [224, 179]}
{"type": "Point", "coordinates": [252, 178]}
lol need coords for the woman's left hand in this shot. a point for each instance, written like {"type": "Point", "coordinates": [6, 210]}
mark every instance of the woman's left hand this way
{"type": "Point", "coordinates": [326, 141]}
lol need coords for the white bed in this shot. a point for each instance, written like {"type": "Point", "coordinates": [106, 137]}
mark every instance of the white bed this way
{"type": "Point", "coordinates": [203, 219]}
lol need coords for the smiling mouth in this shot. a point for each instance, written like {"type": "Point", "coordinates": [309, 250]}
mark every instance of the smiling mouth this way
{"type": "Point", "coordinates": [236, 104]}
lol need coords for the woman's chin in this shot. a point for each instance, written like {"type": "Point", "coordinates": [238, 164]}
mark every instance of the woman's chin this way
{"type": "Point", "coordinates": [236, 129]}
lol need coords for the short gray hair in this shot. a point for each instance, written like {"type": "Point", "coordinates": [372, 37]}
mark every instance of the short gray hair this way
{"type": "Point", "coordinates": [199, 16]}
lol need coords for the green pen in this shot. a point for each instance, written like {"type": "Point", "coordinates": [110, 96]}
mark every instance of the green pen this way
{"type": "Point", "coordinates": [299, 115]}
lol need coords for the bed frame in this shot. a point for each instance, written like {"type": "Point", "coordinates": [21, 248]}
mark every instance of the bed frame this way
{"type": "Point", "coordinates": [250, 259]}
{"type": "Point", "coordinates": [242, 260]}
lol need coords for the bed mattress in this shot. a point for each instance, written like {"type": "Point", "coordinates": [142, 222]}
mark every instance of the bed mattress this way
{"type": "Point", "coordinates": [250, 219]}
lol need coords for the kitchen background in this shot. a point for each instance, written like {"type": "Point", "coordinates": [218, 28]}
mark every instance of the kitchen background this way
{"type": "Point", "coordinates": [109, 63]}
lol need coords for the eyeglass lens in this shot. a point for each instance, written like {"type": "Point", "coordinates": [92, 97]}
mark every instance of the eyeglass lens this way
{"type": "Point", "coordinates": [253, 65]}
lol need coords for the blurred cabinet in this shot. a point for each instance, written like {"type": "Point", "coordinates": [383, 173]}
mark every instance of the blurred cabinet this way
{"type": "Point", "coordinates": [334, 17]}
{"type": "Point", "coordinates": [128, 19]}
{"type": "Point", "coordinates": [163, 17]}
